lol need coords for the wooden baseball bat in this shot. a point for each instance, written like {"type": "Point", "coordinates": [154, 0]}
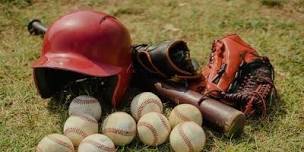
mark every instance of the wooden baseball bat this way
{"type": "Point", "coordinates": [216, 115]}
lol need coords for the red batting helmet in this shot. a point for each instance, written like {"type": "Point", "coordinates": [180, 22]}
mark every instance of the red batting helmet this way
{"type": "Point", "coordinates": [85, 42]}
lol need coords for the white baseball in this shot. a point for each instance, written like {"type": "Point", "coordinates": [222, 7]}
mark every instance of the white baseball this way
{"type": "Point", "coordinates": [120, 127]}
{"type": "Point", "coordinates": [55, 143]}
{"type": "Point", "coordinates": [185, 112]}
{"type": "Point", "coordinates": [144, 103]}
{"type": "Point", "coordinates": [153, 128]}
{"type": "Point", "coordinates": [187, 136]}
{"type": "Point", "coordinates": [85, 105]}
{"type": "Point", "coordinates": [77, 127]}
{"type": "Point", "coordinates": [96, 143]}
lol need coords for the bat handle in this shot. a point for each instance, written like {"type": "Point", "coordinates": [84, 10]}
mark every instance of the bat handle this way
{"type": "Point", "coordinates": [35, 27]}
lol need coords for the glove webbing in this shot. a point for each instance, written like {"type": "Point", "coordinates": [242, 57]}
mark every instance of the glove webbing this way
{"type": "Point", "coordinates": [254, 90]}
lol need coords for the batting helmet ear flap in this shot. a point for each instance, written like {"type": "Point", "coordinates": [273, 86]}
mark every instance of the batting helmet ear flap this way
{"type": "Point", "coordinates": [120, 88]}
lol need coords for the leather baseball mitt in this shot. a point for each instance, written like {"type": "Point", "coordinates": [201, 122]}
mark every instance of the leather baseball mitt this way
{"type": "Point", "coordinates": [238, 76]}
{"type": "Point", "coordinates": [166, 60]}
{"type": "Point", "coordinates": [170, 61]}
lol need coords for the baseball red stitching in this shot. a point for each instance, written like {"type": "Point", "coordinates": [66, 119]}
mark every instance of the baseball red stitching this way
{"type": "Point", "coordinates": [164, 122]}
{"type": "Point", "coordinates": [100, 146]}
{"type": "Point", "coordinates": [58, 141]}
{"type": "Point", "coordinates": [147, 101]}
{"type": "Point", "coordinates": [185, 138]}
{"type": "Point", "coordinates": [180, 115]}
{"type": "Point", "coordinates": [84, 117]}
{"type": "Point", "coordinates": [119, 131]}
{"type": "Point", "coordinates": [152, 129]}
{"type": "Point", "coordinates": [75, 130]}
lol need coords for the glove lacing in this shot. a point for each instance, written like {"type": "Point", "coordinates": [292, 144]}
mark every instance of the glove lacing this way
{"type": "Point", "coordinates": [252, 92]}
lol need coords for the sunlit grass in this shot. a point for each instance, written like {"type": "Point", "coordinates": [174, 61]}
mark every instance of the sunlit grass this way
{"type": "Point", "coordinates": [276, 32]}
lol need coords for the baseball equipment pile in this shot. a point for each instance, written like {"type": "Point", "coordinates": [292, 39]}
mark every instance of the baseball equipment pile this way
{"type": "Point", "coordinates": [89, 49]}
{"type": "Point", "coordinates": [235, 75]}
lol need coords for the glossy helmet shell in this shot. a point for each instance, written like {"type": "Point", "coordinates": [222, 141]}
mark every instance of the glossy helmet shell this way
{"type": "Point", "coordinates": [89, 43]}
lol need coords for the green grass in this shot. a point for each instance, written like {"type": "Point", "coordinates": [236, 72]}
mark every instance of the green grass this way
{"type": "Point", "coordinates": [276, 32]}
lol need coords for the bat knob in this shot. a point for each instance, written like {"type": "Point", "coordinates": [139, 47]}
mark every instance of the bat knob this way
{"type": "Point", "coordinates": [35, 27]}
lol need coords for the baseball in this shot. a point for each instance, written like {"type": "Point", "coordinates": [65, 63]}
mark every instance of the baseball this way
{"type": "Point", "coordinates": [96, 143]}
{"type": "Point", "coordinates": [85, 105]}
{"type": "Point", "coordinates": [55, 143]}
{"type": "Point", "coordinates": [120, 127]}
{"type": "Point", "coordinates": [187, 136]}
{"type": "Point", "coordinates": [153, 128]}
{"type": "Point", "coordinates": [185, 112]}
{"type": "Point", "coordinates": [77, 127]}
{"type": "Point", "coordinates": [144, 103]}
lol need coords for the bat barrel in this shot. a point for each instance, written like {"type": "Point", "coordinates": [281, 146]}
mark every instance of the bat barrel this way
{"type": "Point", "coordinates": [222, 117]}
{"type": "Point", "coordinates": [35, 27]}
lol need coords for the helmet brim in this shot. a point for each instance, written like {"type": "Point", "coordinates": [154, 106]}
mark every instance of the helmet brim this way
{"type": "Point", "coordinates": [75, 63]}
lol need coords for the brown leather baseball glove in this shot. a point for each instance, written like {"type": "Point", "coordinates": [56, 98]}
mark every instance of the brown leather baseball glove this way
{"type": "Point", "coordinates": [170, 61]}
{"type": "Point", "coordinates": [238, 76]}
{"type": "Point", "coordinates": [166, 60]}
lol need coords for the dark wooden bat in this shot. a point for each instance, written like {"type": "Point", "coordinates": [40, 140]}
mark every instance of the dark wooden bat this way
{"type": "Point", "coordinates": [216, 115]}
